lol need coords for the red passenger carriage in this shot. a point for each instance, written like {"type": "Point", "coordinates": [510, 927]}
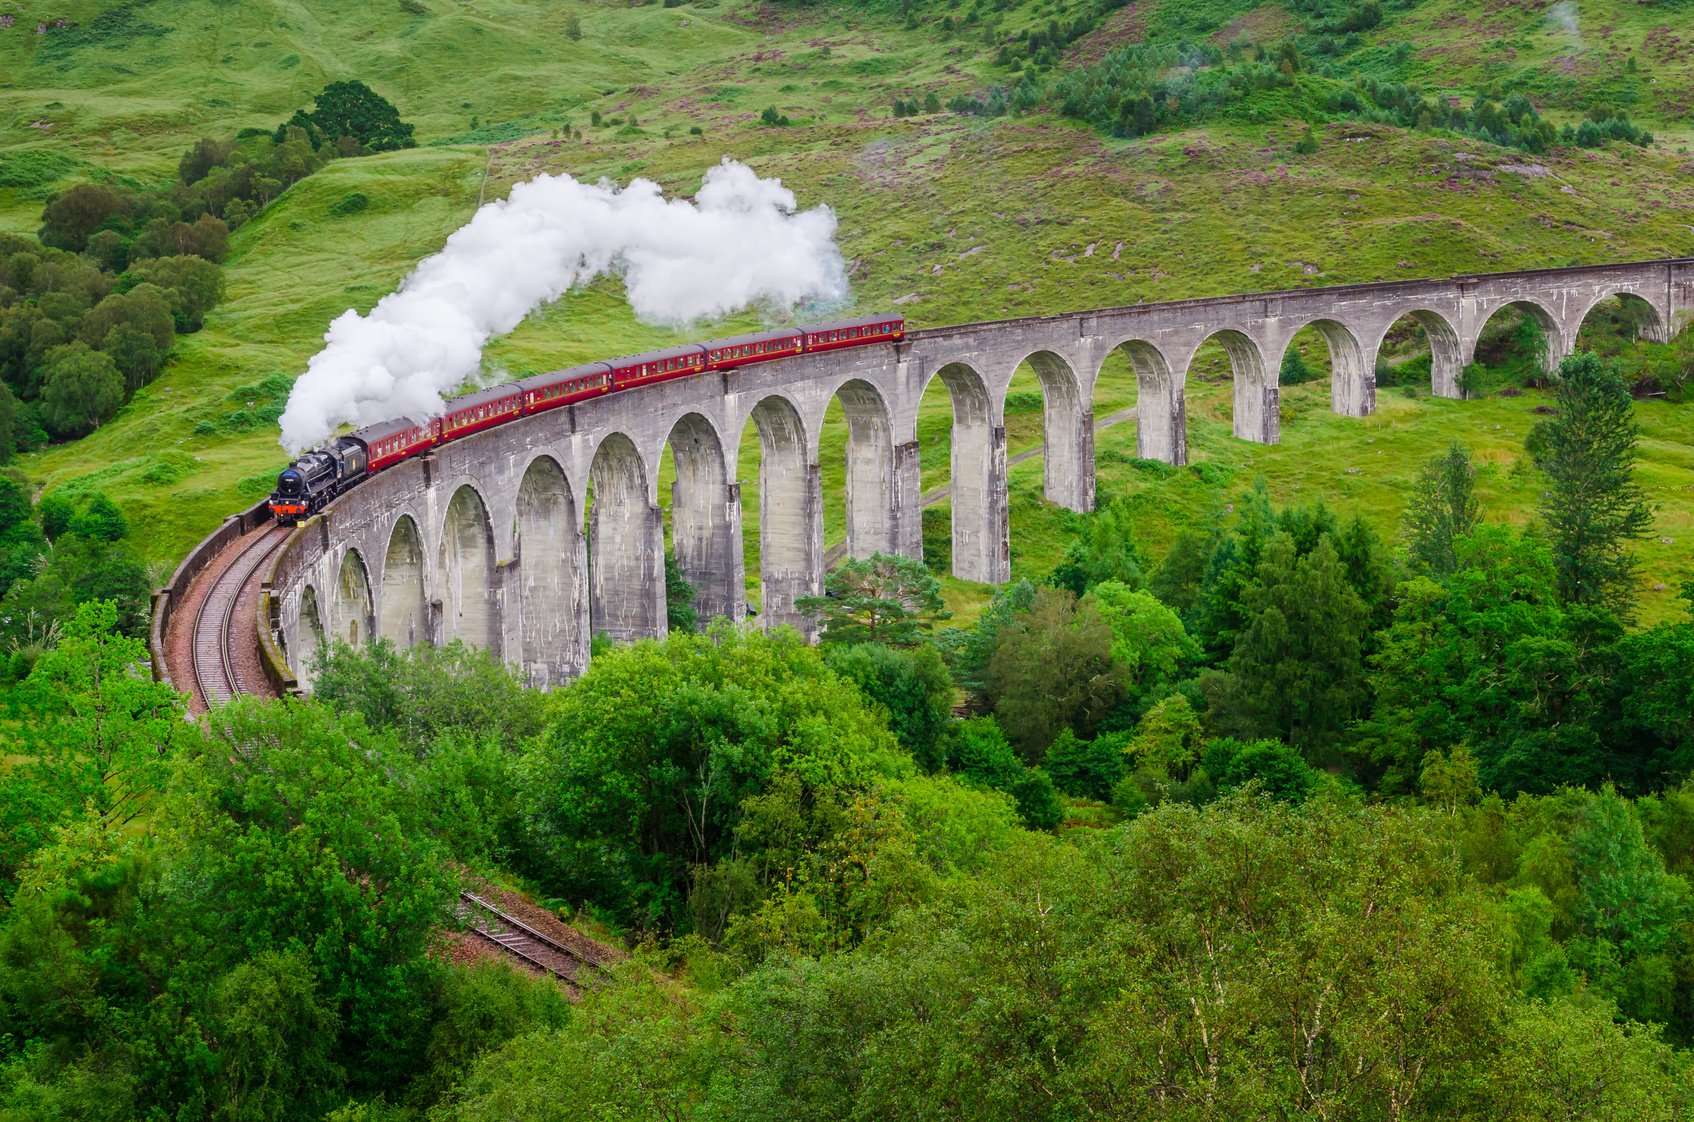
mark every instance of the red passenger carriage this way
{"type": "Point", "coordinates": [657, 366]}
{"type": "Point", "coordinates": [854, 333]}
{"type": "Point", "coordinates": [564, 387]}
{"type": "Point", "coordinates": [739, 350]}
{"type": "Point", "coordinates": [317, 477]}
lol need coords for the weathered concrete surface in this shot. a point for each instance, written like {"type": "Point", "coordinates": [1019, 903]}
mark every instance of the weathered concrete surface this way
{"type": "Point", "coordinates": [484, 538]}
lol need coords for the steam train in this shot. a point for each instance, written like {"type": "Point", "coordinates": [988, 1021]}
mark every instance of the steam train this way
{"type": "Point", "coordinates": [310, 482]}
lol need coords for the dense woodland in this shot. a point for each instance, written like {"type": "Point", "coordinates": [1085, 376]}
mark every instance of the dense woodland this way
{"type": "Point", "coordinates": [1293, 820]}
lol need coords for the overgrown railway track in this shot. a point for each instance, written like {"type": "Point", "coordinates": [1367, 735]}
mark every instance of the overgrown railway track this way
{"type": "Point", "coordinates": [574, 966]}
{"type": "Point", "coordinates": [214, 632]}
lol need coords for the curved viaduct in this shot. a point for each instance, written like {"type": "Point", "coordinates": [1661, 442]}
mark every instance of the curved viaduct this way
{"type": "Point", "coordinates": [484, 539]}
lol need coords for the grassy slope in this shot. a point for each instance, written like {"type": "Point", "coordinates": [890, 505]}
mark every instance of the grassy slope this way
{"type": "Point", "coordinates": [1211, 211]}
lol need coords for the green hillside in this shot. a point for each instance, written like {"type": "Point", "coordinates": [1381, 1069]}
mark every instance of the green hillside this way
{"type": "Point", "coordinates": [954, 217]}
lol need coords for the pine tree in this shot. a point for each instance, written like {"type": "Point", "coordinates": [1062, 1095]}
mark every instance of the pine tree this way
{"type": "Point", "coordinates": [884, 599]}
{"type": "Point", "coordinates": [1297, 671]}
{"type": "Point", "coordinates": [1294, 371]}
{"type": "Point", "coordinates": [1443, 508]}
{"type": "Point", "coordinates": [1592, 506]}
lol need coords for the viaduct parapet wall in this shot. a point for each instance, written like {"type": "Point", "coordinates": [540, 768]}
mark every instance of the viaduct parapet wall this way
{"type": "Point", "coordinates": [489, 539]}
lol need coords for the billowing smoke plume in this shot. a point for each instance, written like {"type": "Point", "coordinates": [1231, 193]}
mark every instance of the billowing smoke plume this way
{"type": "Point", "coordinates": [741, 242]}
{"type": "Point", "coordinates": [1565, 16]}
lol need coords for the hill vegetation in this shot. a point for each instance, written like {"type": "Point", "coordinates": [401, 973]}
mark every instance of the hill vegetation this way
{"type": "Point", "coordinates": [1349, 776]}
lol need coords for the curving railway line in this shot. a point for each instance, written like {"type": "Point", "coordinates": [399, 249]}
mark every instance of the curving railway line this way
{"type": "Point", "coordinates": [216, 658]}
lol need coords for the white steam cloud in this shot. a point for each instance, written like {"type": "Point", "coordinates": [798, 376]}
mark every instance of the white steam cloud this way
{"type": "Point", "coordinates": [741, 242]}
{"type": "Point", "coordinates": [1567, 18]}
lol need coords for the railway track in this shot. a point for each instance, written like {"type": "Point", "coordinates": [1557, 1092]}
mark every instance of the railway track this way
{"type": "Point", "coordinates": [214, 661]}
{"type": "Point", "coordinates": [573, 966]}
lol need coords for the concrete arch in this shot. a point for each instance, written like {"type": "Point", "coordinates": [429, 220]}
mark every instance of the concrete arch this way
{"type": "Point", "coordinates": [470, 599]}
{"type": "Point", "coordinates": [352, 620]}
{"type": "Point", "coordinates": [1649, 323]}
{"type": "Point", "coordinates": [1161, 415]}
{"type": "Point", "coordinates": [872, 509]}
{"type": "Point", "coordinates": [551, 553]}
{"type": "Point", "coordinates": [1352, 381]}
{"type": "Point", "coordinates": [403, 612]}
{"type": "Point", "coordinates": [1067, 419]}
{"type": "Point", "coordinates": [1257, 397]}
{"type": "Point", "coordinates": [982, 547]}
{"type": "Point", "coordinates": [1557, 343]}
{"type": "Point", "coordinates": [1447, 353]}
{"type": "Point", "coordinates": [626, 546]}
{"type": "Point", "coordinates": [706, 519]}
{"type": "Point", "coordinates": [790, 514]}
{"type": "Point", "coordinates": [310, 631]}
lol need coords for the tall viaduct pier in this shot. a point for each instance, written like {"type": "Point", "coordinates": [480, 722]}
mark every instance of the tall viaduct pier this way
{"type": "Point", "coordinates": [530, 538]}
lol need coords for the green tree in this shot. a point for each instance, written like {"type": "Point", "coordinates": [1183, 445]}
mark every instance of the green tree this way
{"type": "Point", "coordinates": [1218, 614]}
{"type": "Point", "coordinates": [1148, 641]}
{"type": "Point", "coordinates": [292, 831]}
{"type": "Point", "coordinates": [1653, 711]}
{"type": "Point", "coordinates": [1038, 800]}
{"type": "Point", "coordinates": [193, 285]}
{"type": "Point", "coordinates": [276, 1039]}
{"type": "Point", "coordinates": [1278, 768]}
{"type": "Point", "coordinates": [1443, 508]}
{"type": "Point", "coordinates": [55, 511]}
{"type": "Point", "coordinates": [1052, 670]}
{"type": "Point", "coordinates": [979, 752]}
{"type": "Point", "coordinates": [1105, 550]}
{"type": "Point", "coordinates": [633, 1050]}
{"type": "Point", "coordinates": [1593, 508]}
{"type": "Point", "coordinates": [1177, 580]}
{"type": "Point", "coordinates": [679, 597]}
{"type": "Point", "coordinates": [654, 750]}
{"type": "Point", "coordinates": [912, 686]}
{"type": "Point", "coordinates": [1085, 769]}
{"type": "Point", "coordinates": [80, 390]}
{"type": "Point", "coordinates": [1625, 895]}
{"type": "Point", "coordinates": [1571, 1059]}
{"type": "Point", "coordinates": [1491, 660]}
{"type": "Point", "coordinates": [481, 1008]}
{"type": "Point", "coordinates": [134, 353]}
{"type": "Point", "coordinates": [96, 738]}
{"type": "Point", "coordinates": [145, 308]}
{"type": "Point", "coordinates": [1294, 371]}
{"type": "Point", "coordinates": [101, 520]}
{"type": "Point", "coordinates": [883, 598]}
{"type": "Point", "coordinates": [76, 212]}
{"type": "Point", "coordinates": [351, 108]}
{"type": "Point", "coordinates": [1297, 672]}
{"type": "Point", "coordinates": [425, 693]}
{"type": "Point", "coordinates": [969, 650]}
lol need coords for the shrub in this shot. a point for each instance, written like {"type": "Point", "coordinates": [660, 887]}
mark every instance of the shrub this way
{"type": "Point", "coordinates": [351, 203]}
{"type": "Point", "coordinates": [1085, 769]}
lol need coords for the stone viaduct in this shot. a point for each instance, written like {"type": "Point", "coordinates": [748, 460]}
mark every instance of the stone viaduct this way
{"type": "Point", "coordinates": [530, 538]}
